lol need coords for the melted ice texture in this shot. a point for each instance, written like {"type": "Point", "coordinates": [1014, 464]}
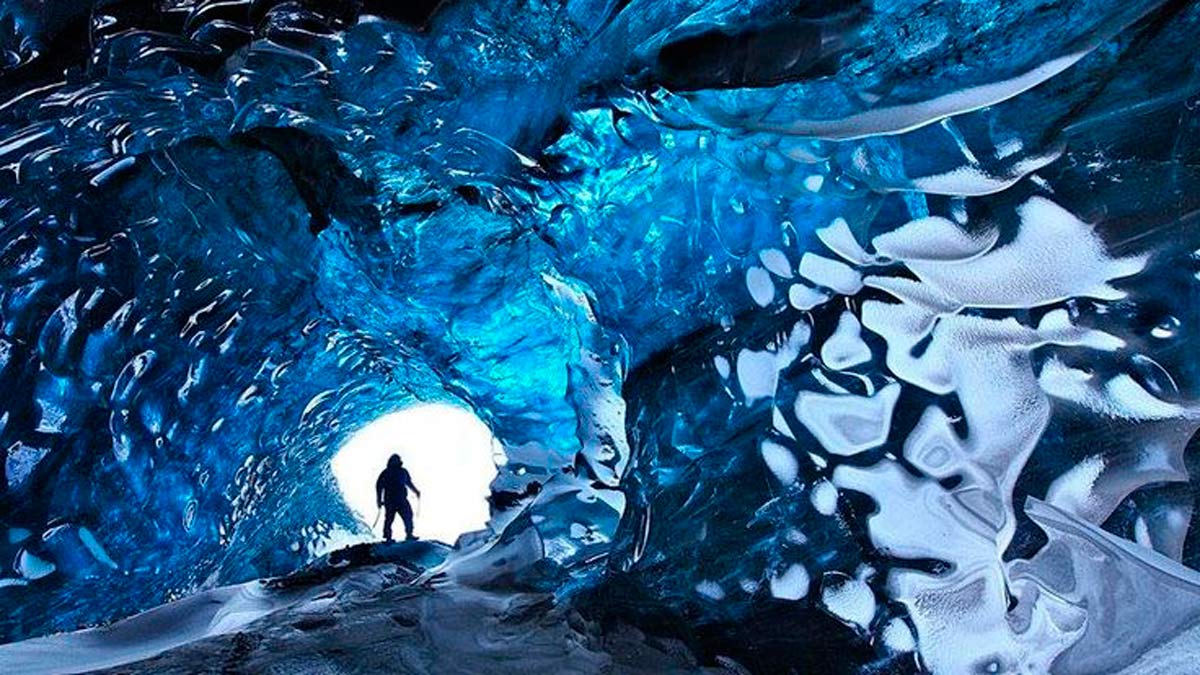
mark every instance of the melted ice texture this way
{"type": "Point", "coordinates": [936, 257]}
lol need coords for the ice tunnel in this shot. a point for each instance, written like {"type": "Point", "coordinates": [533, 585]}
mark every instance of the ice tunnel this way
{"type": "Point", "coordinates": [795, 335]}
{"type": "Point", "coordinates": [451, 451]}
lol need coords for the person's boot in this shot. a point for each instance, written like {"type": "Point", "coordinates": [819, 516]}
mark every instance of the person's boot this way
{"type": "Point", "coordinates": [411, 537]}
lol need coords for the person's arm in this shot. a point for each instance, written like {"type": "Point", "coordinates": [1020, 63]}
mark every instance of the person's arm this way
{"type": "Point", "coordinates": [408, 479]}
{"type": "Point", "coordinates": [379, 490]}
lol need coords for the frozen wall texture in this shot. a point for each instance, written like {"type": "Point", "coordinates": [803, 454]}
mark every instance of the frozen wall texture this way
{"type": "Point", "coordinates": [868, 324]}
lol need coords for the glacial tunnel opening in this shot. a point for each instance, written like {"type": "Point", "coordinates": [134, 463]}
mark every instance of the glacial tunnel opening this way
{"type": "Point", "coordinates": [451, 455]}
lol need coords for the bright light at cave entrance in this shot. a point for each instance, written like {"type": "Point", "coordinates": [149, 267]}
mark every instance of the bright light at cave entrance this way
{"type": "Point", "coordinates": [451, 455]}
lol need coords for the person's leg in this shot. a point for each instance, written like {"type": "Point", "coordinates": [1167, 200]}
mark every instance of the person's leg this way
{"type": "Point", "coordinates": [406, 515]}
{"type": "Point", "coordinates": [388, 516]}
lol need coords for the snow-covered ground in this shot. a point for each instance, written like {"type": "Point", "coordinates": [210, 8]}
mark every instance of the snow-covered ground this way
{"type": "Point", "coordinates": [360, 618]}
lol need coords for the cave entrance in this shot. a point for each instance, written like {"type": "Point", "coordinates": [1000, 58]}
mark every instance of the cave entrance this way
{"type": "Point", "coordinates": [451, 454]}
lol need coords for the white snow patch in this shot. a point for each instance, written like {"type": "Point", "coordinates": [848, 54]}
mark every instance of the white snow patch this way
{"type": "Point", "coordinates": [762, 289]}
{"type": "Point", "coordinates": [832, 274]}
{"type": "Point", "coordinates": [845, 348]}
{"type": "Point", "coordinates": [776, 262]}
{"type": "Point", "coordinates": [898, 636]}
{"type": "Point", "coordinates": [850, 600]}
{"type": "Point", "coordinates": [824, 497]}
{"type": "Point", "coordinates": [757, 374]}
{"type": "Point", "coordinates": [722, 365]}
{"type": "Point", "coordinates": [839, 239]}
{"type": "Point", "coordinates": [792, 584]}
{"type": "Point", "coordinates": [780, 461]}
{"type": "Point", "coordinates": [805, 298]}
{"type": "Point", "coordinates": [848, 424]}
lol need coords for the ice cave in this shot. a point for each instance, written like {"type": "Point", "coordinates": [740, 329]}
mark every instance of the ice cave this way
{"type": "Point", "coordinates": [718, 336]}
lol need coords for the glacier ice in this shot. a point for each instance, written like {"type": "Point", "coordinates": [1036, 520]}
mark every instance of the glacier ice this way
{"type": "Point", "coordinates": [863, 329]}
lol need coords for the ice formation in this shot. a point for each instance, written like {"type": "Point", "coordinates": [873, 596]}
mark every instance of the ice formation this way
{"type": "Point", "coordinates": [863, 329]}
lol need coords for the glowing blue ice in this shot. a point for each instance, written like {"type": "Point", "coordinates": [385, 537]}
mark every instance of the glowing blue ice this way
{"type": "Point", "coordinates": [882, 311]}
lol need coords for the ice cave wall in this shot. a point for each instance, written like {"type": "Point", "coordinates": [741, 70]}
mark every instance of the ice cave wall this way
{"type": "Point", "coordinates": [875, 314]}
{"type": "Point", "coordinates": [989, 349]}
{"type": "Point", "coordinates": [184, 353]}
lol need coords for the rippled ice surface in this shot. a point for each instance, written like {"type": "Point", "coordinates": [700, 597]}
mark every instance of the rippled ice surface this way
{"type": "Point", "coordinates": [860, 334]}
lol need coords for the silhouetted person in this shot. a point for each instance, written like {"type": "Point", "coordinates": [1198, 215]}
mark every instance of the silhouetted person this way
{"type": "Point", "coordinates": [391, 491]}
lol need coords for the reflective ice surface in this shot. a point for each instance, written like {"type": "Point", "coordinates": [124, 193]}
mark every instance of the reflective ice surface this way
{"type": "Point", "coordinates": [873, 321]}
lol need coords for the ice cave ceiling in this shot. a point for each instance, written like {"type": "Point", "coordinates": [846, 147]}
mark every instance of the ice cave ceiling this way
{"type": "Point", "coordinates": [878, 314]}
